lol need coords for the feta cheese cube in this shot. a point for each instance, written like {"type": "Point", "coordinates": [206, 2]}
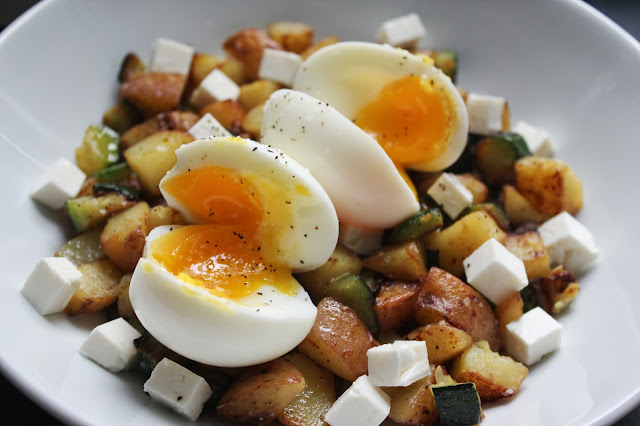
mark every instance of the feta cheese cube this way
{"type": "Point", "coordinates": [537, 140]}
{"type": "Point", "coordinates": [111, 345]}
{"type": "Point", "coordinates": [61, 181]}
{"type": "Point", "coordinates": [451, 194]}
{"type": "Point", "coordinates": [494, 271]}
{"type": "Point", "coordinates": [178, 388]}
{"type": "Point", "coordinates": [216, 86]}
{"type": "Point", "coordinates": [532, 336]}
{"type": "Point", "coordinates": [279, 65]}
{"type": "Point", "coordinates": [361, 241]}
{"type": "Point", "coordinates": [569, 242]}
{"type": "Point", "coordinates": [170, 56]}
{"type": "Point", "coordinates": [404, 31]}
{"type": "Point", "coordinates": [487, 114]}
{"type": "Point", "coordinates": [400, 363]}
{"type": "Point", "coordinates": [51, 284]}
{"type": "Point", "coordinates": [360, 405]}
{"type": "Point", "coordinates": [207, 126]}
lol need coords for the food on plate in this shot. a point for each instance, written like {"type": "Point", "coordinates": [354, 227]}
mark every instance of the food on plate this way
{"type": "Point", "coordinates": [315, 231]}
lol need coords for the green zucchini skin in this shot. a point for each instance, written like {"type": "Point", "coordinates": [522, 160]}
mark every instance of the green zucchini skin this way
{"type": "Point", "coordinates": [121, 117]}
{"type": "Point", "coordinates": [88, 212]}
{"type": "Point", "coordinates": [496, 155]}
{"type": "Point", "coordinates": [458, 404]}
{"type": "Point", "coordinates": [447, 61]}
{"type": "Point", "coordinates": [417, 225]}
{"type": "Point", "coordinates": [492, 210]}
{"type": "Point", "coordinates": [351, 290]}
{"type": "Point", "coordinates": [116, 173]}
{"type": "Point", "coordinates": [105, 188]}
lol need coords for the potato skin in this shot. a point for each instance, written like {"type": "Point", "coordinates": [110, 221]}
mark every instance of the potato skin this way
{"type": "Point", "coordinates": [153, 92]}
{"type": "Point", "coordinates": [99, 288]}
{"type": "Point", "coordinates": [247, 46]}
{"type": "Point", "coordinates": [395, 305]}
{"type": "Point", "coordinates": [445, 297]}
{"type": "Point", "coordinates": [444, 342]}
{"type": "Point", "coordinates": [124, 235]}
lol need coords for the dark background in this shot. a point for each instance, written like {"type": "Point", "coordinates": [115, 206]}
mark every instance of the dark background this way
{"type": "Point", "coordinates": [20, 410]}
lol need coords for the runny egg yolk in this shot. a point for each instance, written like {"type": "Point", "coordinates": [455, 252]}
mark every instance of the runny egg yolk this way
{"type": "Point", "coordinates": [229, 253]}
{"type": "Point", "coordinates": [411, 118]}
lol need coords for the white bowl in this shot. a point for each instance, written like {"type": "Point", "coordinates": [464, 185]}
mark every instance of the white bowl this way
{"type": "Point", "coordinates": [562, 66]}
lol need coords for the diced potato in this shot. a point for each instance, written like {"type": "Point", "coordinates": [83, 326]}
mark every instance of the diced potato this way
{"type": "Point", "coordinates": [549, 185]}
{"type": "Point", "coordinates": [529, 247]}
{"type": "Point", "coordinates": [153, 92]}
{"type": "Point", "coordinates": [395, 305]}
{"type": "Point", "coordinates": [252, 122]}
{"type": "Point", "coordinates": [339, 340]}
{"type": "Point", "coordinates": [462, 238]}
{"type": "Point", "coordinates": [327, 41]}
{"type": "Point", "coordinates": [154, 156]}
{"type": "Point", "coordinates": [121, 117]}
{"type": "Point", "coordinates": [247, 46]}
{"type": "Point", "coordinates": [445, 297]}
{"type": "Point", "coordinates": [319, 394]}
{"type": "Point", "coordinates": [444, 342]}
{"type": "Point", "coordinates": [479, 190]}
{"type": "Point", "coordinates": [201, 65]}
{"type": "Point", "coordinates": [130, 66]}
{"type": "Point", "coordinates": [262, 392]}
{"type": "Point", "coordinates": [229, 114]}
{"type": "Point", "coordinates": [292, 35]}
{"type": "Point", "coordinates": [413, 404]}
{"type": "Point", "coordinates": [235, 70]}
{"type": "Point", "coordinates": [124, 236]}
{"type": "Point", "coordinates": [164, 215]}
{"type": "Point", "coordinates": [256, 93]}
{"type": "Point", "coordinates": [518, 209]}
{"type": "Point", "coordinates": [495, 376]}
{"type": "Point", "coordinates": [510, 309]}
{"type": "Point", "coordinates": [557, 290]}
{"type": "Point", "coordinates": [402, 261]}
{"type": "Point", "coordinates": [84, 248]}
{"type": "Point", "coordinates": [173, 120]}
{"type": "Point", "coordinates": [98, 289]}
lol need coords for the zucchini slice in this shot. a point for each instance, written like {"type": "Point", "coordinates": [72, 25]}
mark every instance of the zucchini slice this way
{"type": "Point", "coordinates": [84, 248]}
{"type": "Point", "coordinates": [417, 225]}
{"type": "Point", "coordinates": [496, 156]}
{"type": "Point", "coordinates": [105, 188]}
{"type": "Point", "coordinates": [115, 173]}
{"type": "Point", "coordinates": [88, 212]}
{"type": "Point", "coordinates": [447, 61]}
{"type": "Point", "coordinates": [458, 404]}
{"type": "Point", "coordinates": [351, 290]}
{"type": "Point", "coordinates": [121, 117]}
{"type": "Point", "coordinates": [492, 210]}
{"type": "Point", "coordinates": [100, 148]}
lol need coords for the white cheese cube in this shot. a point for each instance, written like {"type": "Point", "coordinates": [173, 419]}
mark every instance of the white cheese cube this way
{"type": "Point", "coordinates": [178, 388]}
{"type": "Point", "coordinates": [494, 271]}
{"type": "Point", "coordinates": [400, 363]}
{"type": "Point", "coordinates": [451, 194]}
{"type": "Point", "coordinates": [537, 140]}
{"type": "Point", "coordinates": [360, 405]}
{"type": "Point", "coordinates": [216, 86]}
{"type": "Point", "coordinates": [569, 242]}
{"type": "Point", "coordinates": [279, 65]}
{"type": "Point", "coordinates": [361, 241]}
{"type": "Point", "coordinates": [51, 284]}
{"type": "Point", "coordinates": [111, 345]}
{"type": "Point", "coordinates": [486, 113]}
{"type": "Point", "coordinates": [208, 126]}
{"type": "Point", "coordinates": [61, 181]}
{"type": "Point", "coordinates": [170, 56]}
{"type": "Point", "coordinates": [532, 336]}
{"type": "Point", "coordinates": [404, 31]}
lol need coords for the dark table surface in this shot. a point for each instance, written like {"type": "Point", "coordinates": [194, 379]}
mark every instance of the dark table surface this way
{"type": "Point", "coordinates": [22, 411]}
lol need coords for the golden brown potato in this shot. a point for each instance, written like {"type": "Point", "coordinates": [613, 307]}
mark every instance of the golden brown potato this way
{"type": "Point", "coordinates": [529, 247]}
{"type": "Point", "coordinates": [247, 46]}
{"type": "Point", "coordinates": [154, 156]}
{"type": "Point", "coordinates": [445, 297]}
{"type": "Point", "coordinates": [395, 305]}
{"type": "Point", "coordinates": [131, 65]}
{"type": "Point", "coordinates": [518, 209]}
{"type": "Point", "coordinates": [510, 309]}
{"type": "Point", "coordinates": [164, 215]}
{"type": "Point", "coordinates": [260, 394]}
{"type": "Point", "coordinates": [292, 35]}
{"type": "Point", "coordinates": [549, 185]}
{"type": "Point", "coordinates": [413, 404]}
{"type": "Point", "coordinates": [495, 376]}
{"type": "Point", "coordinates": [339, 340]}
{"type": "Point", "coordinates": [124, 236]}
{"type": "Point", "coordinates": [557, 290]}
{"type": "Point", "coordinates": [479, 190]}
{"type": "Point", "coordinates": [252, 122]}
{"type": "Point", "coordinates": [312, 404]}
{"type": "Point", "coordinates": [256, 93]}
{"type": "Point", "coordinates": [462, 238]}
{"type": "Point", "coordinates": [444, 342]}
{"type": "Point", "coordinates": [153, 92]}
{"type": "Point", "coordinates": [327, 41]}
{"type": "Point", "coordinates": [201, 65]}
{"type": "Point", "coordinates": [98, 289]}
{"type": "Point", "coordinates": [173, 120]}
{"type": "Point", "coordinates": [402, 261]}
{"type": "Point", "coordinates": [229, 114]}
{"type": "Point", "coordinates": [235, 70]}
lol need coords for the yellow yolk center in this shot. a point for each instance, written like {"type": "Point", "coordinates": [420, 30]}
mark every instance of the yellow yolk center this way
{"type": "Point", "coordinates": [411, 119]}
{"type": "Point", "coordinates": [225, 254]}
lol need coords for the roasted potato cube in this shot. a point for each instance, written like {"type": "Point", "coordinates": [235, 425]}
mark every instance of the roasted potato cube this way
{"type": "Point", "coordinates": [479, 190]}
{"type": "Point", "coordinates": [252, 122]}
{"type": "Point", "coordinates": [518, 209]}
{"type": "Point", "coordinates": [201, 65]}
{"type": "Point", "coordinates": [164, 215]}
{"type": "Point", "coordinates": [462, 238]}
{"type": "Point", "coordinates": [319, 394]}
{"type": "Point", "coordinates": [444, 342]}
{"type": "Point", "coordinates": [327, 41]}
{"type": "Point", "coordinates": [495, 376]}
{"type": "Point", "coordinates": [529, 247]}
{"type": "Point", "coordinates": [256, 93]}
{"type": "Point", "coordinates": [549, 185]}
{"type": "Point", "coordinates": [229, 114]}
{"type": "Point", "coordinates": [173, 120]}
{"type": "Point", "coordinates": [84, 248]}
{"type": "Point", "coordinates": [445, 297]}
{"type": "Point", "coordinates": [98, 289]}
{"type": "Point", "coordinates": [555, 291]}
{"type": "Point", "coordinates": [510, 309]}
{"type": "Point", "coordinates": [247, 46]}
{"type": "Point", "coordinates": [395, 305]}
{"type": "Point", "coordinates": [124, 236]}
{"type": "Point", "coordinates": [338, 340]}
{"type": "Point", "coordinates": [235, 70]}
{"type": "Point", "coordinates": [121, 117]}
{"type": "Point", "coordinates": [413, 404]}
{"type": "Point", "coordinates": [154, 156]}
{"type": "Point", "coordinates": [402, 261]}
{"type": "Point", "coordinates": [153, 92]}
{"type": "Point", "coordinates": [261, 393]}
{"type": "Point", "coordinates": [292, 35]}
{"type": "Point", "coordinates": [131, 65]}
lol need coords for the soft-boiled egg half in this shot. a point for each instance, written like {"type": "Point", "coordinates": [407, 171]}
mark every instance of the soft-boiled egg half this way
{"type": "Point", "coordinates": [409, 106]}
{"type": "Point", "coordinates": [221, 291]}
